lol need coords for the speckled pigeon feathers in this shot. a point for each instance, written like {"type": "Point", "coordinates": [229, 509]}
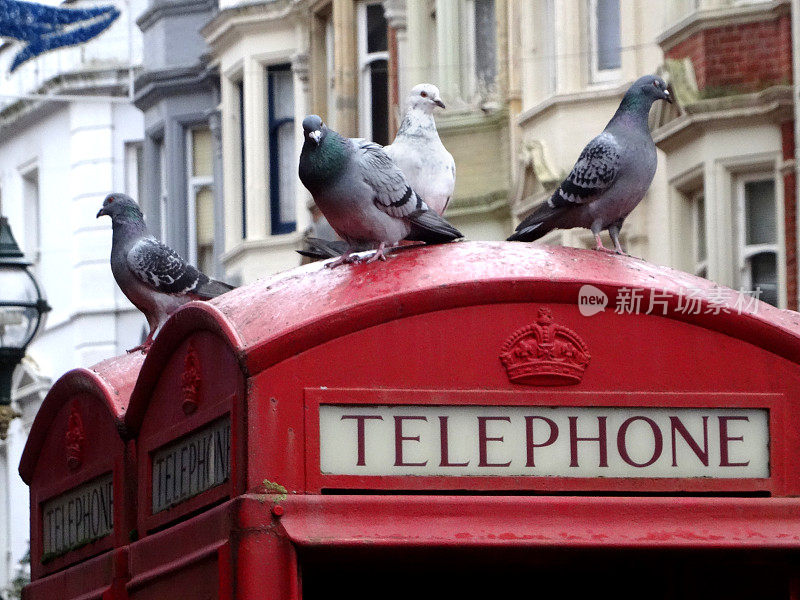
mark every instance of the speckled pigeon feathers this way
{"type": "Point", "coordinates": [595, 170]}
{"type": "Point", "coordinates": [160, 267]}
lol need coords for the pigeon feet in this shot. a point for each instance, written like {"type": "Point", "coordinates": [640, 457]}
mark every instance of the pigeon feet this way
{"type": "Point", "coordinates": [144, 347]}
{"type": "Point", "coordinates": [601, 248]}
{"type": "Point", "coordinates": [344, 259]}
{"type": "Point", "coordinates": [379, 255]}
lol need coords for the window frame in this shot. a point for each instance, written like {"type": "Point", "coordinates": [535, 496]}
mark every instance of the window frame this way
{"type": "Point", "coordinates": [276, 226]}
{"type": "Point", "coordinates": [134, 169]}
{"type": "Point", "coordinates": [597, 75]}
{"type": "Point", "coordinates": [194, 184]}
{"type": "Point", "coordinates": [469, 75]}
{"type": "Point", "coordinates": [238, 88]}
{"type": "Point", "coordinates": [700, 266]}
{"type": "Point", "coordinates": [163, 189]}
{"type": "Point", "coordinates": [32, 212]}
{"type": "Point", "coordinates": [365, 60]}
{"type": "Point", "coordinates": [548, 34]}
{"type": "Point", "coordinates": [744, 251]}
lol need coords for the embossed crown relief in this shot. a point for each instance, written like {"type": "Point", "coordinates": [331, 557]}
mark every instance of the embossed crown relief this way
{"type": "Point", "coordinates": [191, 380]}
{"type": "Point", "coordinates": [545, 353]}
{"type": "Point", "coordinates": [74, 438]}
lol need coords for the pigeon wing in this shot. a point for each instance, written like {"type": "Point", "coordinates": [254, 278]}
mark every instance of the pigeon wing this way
{"type": "Point", "coordinates": [391, 192]}
{"type": "Point", "coordinates": [593, 173]}
{"type": "Point", "coordinates": [162, 269]}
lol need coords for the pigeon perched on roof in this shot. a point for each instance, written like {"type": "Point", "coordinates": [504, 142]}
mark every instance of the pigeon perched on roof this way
{"type": "Point", "coordinates": [363, 194]}
{"type": "Point", "coordinates": [420, 154]}
{"type": "Point", "coordinates": [611, 176]}
{"type": "Point", "coordinates": [152, 275]}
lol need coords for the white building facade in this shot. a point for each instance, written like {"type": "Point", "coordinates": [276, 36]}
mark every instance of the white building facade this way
{"type": "Point", "coordinates": [69, 135]}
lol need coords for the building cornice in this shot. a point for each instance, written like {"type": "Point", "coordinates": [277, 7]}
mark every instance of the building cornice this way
{"type": "Point", "coordinates": [112, 82]}
{"type": "Point", "coordinates": [700, 20]}
{"type": "Point", "coordinates": [590, 94]}
{"type": "Point", "coordinates": [246, 17]}
{"type": "Point", "coordinates": [771, 105]}
{"type": "Point", "coordinates": [153, 86]}
{"type": "Point", "coordinates": [492, 203]}
{"type": "Point", "coordinates": [179, 8]}
{"type": "Point", "coordinates": [287, 241]}
{"type": "Point", "coordinates": [470, 121]}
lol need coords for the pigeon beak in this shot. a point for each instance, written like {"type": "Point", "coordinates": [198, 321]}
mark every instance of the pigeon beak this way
{"type": "Point", "coordinates": [100, 213]}
{"type": "Point", "coordinates": [438, 102]}
{"type": "Point", "coordinates": [315, 135]}
{"type": "Point", "coordinates": [668, 96]}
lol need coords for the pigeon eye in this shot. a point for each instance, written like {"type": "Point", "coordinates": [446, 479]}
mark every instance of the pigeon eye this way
{"type": "Point", "coordinates": [424, 94]}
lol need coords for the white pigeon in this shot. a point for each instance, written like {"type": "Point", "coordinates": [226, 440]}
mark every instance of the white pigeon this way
{"type": "Point", "coordinates": [429, 168]}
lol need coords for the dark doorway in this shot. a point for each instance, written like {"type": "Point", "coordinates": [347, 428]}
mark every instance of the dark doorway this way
{"type": "Point", "coordinates": [503, 573]}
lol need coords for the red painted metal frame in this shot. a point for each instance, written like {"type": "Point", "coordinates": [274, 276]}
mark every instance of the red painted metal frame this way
{"type": "Point", "coordinates": [40, 496]}
{"type": "Point", "coordinates": [208, 340]}
{"type": "Point", "coordinates": [317, 481]}
{"type": "Point", "coordinates": [103, 392]}
{"type": "Point", "coordinates": [420, 521]}
{"type": "Point", "coordinates": [89, 578]}
{"type": "Point", "coordinates": [149, 521]}
{"type": "Point", "coordinates": [162, 555]}
{"type": "Point", "coordinates": [249, 543]}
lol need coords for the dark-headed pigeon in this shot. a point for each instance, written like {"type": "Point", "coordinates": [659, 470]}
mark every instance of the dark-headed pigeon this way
{"type": "Point", "coordinates": [152, 275]}
{"type": "Point", "coordinates": [611, 176]}
{"type": "Point", "coordinates": [363, 194]}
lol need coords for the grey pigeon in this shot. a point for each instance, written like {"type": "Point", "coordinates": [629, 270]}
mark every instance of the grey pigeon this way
{"type": "Point", "coordinates": [152, 276]}
{"type": "Point", "coordinates": [420, 154]}
{"type": "Point", "coordinates": [363, 194]}
{"type": "Point", "coordinates": [611, 176]}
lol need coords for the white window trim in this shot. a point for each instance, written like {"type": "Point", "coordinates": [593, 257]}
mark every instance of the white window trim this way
{"type": "Point", "coordinates": [468, 50]}
{"type": "Point", "coordinates": [599, 75]}
{"type": "Point", "coordinates": [700, 266]}
{"type": "Point", "coordinates": [163, 193]}
{"type": "Point", "coordinates": [549, 45]}
{"type": "Point", "coordinates": [364, 61]}
{"type": "Point", "coordinates": [194, 183]}
{"type": "Point", "coordinates": [30, 174]}
{"type": "Point", "coordinates": [330, 82]}
{"type": "Point", "coordinates": [469, 81]}
{"type": "Point", "coordinates": [745, 251]}
{"type": "Point", "coordinates": [132, 168]}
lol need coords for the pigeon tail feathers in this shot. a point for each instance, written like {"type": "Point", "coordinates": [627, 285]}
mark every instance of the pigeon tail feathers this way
{"type": "Point", "coordinates": [212, 288]}
{"type": "Point", "coordinates": [427, 226]}
{"type": "Point", "coordinates": [319, 248]}
{"type": "Point", "coordinates": [538, 224]}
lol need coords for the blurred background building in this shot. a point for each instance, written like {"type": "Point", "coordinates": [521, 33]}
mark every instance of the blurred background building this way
{"type": "Point", "coordinates": [69, 135]}
{"type": "Point", "coordinates": [194, 108]}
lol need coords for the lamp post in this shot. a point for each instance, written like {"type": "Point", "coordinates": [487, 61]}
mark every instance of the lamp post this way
{"type": "Point", "coordinates": [22, 309]}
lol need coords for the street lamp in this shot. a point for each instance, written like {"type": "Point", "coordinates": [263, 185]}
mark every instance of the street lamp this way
{"type": "Point", "coordinates": [22, 309]}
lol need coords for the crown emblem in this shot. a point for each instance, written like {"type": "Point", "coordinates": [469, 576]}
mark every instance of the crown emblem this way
{"type": "Point", "coordinates": [191, 380]}
{"type": "Point", "coordinates": [544, 353]}
{"type": "Point", "coordinates": [74, 437]}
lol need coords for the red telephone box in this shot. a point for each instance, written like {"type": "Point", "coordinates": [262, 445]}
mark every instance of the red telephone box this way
{"type": "Point", "coordinates": [82, 478]}
{"type": "Point", "coordinates": [473, 418]}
